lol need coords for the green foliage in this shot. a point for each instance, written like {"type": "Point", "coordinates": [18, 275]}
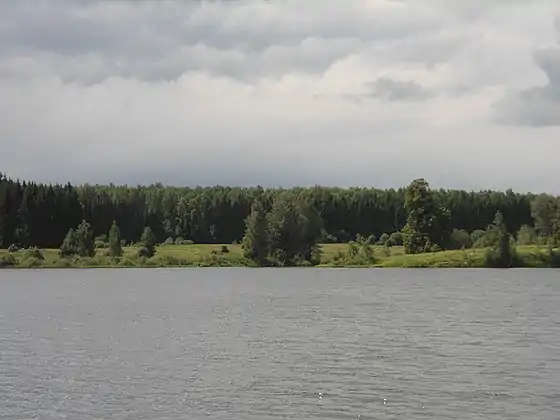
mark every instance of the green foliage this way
{"type": "Point", "coordinates": [478, 238]}
{"type": "Point", "coordinates": [256, 242]}
{"type": "Point", "coordinates": [34, 253]}
{"type": "Point", "coordinates": [168, 241]}
{"type": "Point", "coordinates": [544, 209]}
{"type": "Point", "coordinates": [502, 252]}
{"type": "Point", "coordinates": [383, 239]}
{"type": "Point", "coordinates": [526, 235]}
{"type": "Point", "coordinates": [555, 234]}
{"type": "Point", "coordinates": [428, 225]}
{"type": "Point", "coordinates": [224, 249]}
{"type": "Point", "coordinates": [294, 230]}
{"type": "Point", "coordinates": [114, 241]}
{"type": "Point", "coordinates": [554, 257]}
{"type": "Point", "coordinates": [460, 239]}
{"type": "Point", "coordinates": [358, 254]}
{"type": "Point", "coordinates": [181, 241]}
{"type": "Point", "coordinates": [85, 245]}
{"type": "Point", "coordinates": [70, 245]}
{"type": "Point", "coordinates": [395, 239]}
{"type": "Point", "coordinates": [8, 261]}
{"type": "Point", "coordinates": [148, 241]}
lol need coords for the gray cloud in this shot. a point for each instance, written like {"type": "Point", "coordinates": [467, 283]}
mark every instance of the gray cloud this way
{"type": "Point", "coordinates": [538, 105]}
{"type": "Point", "coordinates": [254, 92]}
{"type": "Point", "coordinates": [395, 90]}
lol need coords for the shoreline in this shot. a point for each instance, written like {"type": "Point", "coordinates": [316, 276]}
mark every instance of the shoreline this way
{"type": "Point", "coordinates": [210, 256]}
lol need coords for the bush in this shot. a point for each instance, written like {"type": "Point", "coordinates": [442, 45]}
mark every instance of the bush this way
{"type": "Point", "coordinates": [383, 239]}
{"type": "Point", "coordinates": [168, 241]}
{"type": "Point", "coordinates": [478, 238]}
{"type": "Point", "coordinates": [145, 252]}
{"type": "Point", "coordinates": [13, 248]}
{"type": "Point", "coordinates": [33, 252]}
{"type": "Point", "coordinates": [224, 250]}
{"type": "Point", "coordinates": [396, 239]}
{"type": "Point", "coordinates": [554, 258]}
{"type": "Point", "coordinates": [63, 263]}
{"type": "Point", "coordinates": [101, 244]}
{"type": "Point", "coordinates": [181, 241]}
{"type": "Point", "coordinates": [460, 239]}
{"type": "Point", "coordinates": [31, 262]}
{"type": "Point", "coordinates": [8, 261]}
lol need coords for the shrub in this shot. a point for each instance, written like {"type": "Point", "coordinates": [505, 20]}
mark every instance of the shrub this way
{"type": "Point", "coordinates": [383, 239]}
{"type": "Point", "coordinates": [13, 248]}
{"type": "Point", "coordinates": [63, 263]}
{"type": "Point", "coordinates": [396, 239]}
{"type": "Point", "coordinates": [33, 252]}
{"type": "Point", "coordinates": [31, 262]}
{"type": "Point", "coordinates": [145, 252]}
{"type": "Point", "coordinates": [101, 244]}
{"type": "Point", "coordinates": [181, 241]}
{"type": "Point", "coordinates": [8, 261]}
{"type": "Point", "coordinates": [460, 239]}
{"type": "Point", "coordinates": [225, 249]}
{"type": "Point", "coordinates": [168, 241]}
{"type": "Point", "coordinates": [554, 257]}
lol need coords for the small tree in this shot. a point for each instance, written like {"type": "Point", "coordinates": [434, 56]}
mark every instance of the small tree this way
{"type": "Point", "coordinates": [85, 241]}
{"type": "Point", "coordinates": [256, 246]}
{"type": "Point", "coordinates": [502, 253]}
{"type": "Point", "coordinates": [69, 246]}
{"type": "Point", "coordinates": [148, 241]}
{"type": "Point", "coordinates": [526, 235]}
{"type": "Point", "coordinates": [115, 245]}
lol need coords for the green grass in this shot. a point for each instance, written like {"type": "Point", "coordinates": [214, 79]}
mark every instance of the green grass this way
{"type": "Point", "coordinates": [211, 256]}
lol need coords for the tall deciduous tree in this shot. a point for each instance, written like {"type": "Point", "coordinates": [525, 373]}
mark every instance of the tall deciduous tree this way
{"type": "Point", "coordinates": [294, 228]}
{"type": "Point", "coordinates": [428, 225]}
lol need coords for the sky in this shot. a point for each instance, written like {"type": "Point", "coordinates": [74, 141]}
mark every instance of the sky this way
{"type": "Point", "coordinates": [465, 94]}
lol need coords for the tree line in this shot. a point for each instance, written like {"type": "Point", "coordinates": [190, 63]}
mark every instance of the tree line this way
{"type": "Point", "coordinates": [41, 215]}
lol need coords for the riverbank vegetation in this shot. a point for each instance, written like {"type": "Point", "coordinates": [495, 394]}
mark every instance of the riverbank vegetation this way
{"type": "Point", "coordinates": [120, 226]}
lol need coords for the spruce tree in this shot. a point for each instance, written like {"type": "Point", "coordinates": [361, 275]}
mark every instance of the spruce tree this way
{"type": "Point", "coordinates": [256, 242]}
{"type": "Point", "coordinates": [115, 245]}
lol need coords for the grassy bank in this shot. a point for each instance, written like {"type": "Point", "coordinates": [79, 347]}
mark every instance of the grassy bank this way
{"type": "Point", "coordinates": [333, 255]}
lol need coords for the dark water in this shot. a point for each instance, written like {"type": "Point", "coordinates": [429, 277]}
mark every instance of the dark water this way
{"type": "Point", "coordinates": [242, 344]}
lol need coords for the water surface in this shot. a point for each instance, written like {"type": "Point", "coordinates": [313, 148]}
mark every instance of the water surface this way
{"type": "Point", "coordinates": [243, 344]}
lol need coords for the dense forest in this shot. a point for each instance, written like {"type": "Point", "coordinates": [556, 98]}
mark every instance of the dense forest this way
{"type": "Point", "coordinates": [41, 215]}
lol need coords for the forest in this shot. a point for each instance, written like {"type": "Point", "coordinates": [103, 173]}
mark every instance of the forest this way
{"type": "Point", "coordinates": [41, 215]}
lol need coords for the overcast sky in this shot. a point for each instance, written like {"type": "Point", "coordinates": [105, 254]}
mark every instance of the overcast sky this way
{"type": "Point", "coordinates": [465, 93]}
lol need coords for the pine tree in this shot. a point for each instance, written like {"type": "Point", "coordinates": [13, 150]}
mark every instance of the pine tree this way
{"type": "Point", "coordinates": [115, 245]}
{"type": "Point", "coordinates": [85, 241]}
{"type": "Point", "coordinates": [256, 242]}
{"type": "Point", "coordinates": [148, 241]}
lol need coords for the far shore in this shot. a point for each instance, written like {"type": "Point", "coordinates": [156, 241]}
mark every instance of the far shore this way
{"type": "Point", "coordinates": [332, 256]}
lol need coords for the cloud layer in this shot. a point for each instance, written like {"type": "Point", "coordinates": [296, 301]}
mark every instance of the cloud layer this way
{"type": "Point", "coordinates": [466, 94]}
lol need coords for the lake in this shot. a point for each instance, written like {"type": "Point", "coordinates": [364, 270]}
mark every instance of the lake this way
{"type": "Point", "coordinates": [242, 344]}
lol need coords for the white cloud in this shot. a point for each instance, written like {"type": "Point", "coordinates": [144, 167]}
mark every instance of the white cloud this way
{"type": "Point", "coordinates": [280, 93]}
